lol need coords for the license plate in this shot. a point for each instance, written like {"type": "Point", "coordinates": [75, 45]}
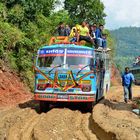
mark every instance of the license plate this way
{"type": "Point", "coordinates": [62, 96]}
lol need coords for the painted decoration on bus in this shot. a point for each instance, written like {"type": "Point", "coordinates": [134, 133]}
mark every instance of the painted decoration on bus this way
{"type": "Point", "coordinates": [51, 52]}
{"type": "Point", "coordinates": [70, 52]}
{"type": "Point", "coordinates": [79, 52]}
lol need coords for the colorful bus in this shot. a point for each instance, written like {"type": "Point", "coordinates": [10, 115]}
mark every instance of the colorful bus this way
{"type": "Point", "coordinates": [71, 73]}
{"type": "Point", "coordinates": [136, 72]}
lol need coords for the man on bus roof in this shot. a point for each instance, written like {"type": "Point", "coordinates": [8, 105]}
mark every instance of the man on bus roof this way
{"type": "Point", "coordinates": [83, 33]}
{"type": "Point", "coordinates": [99, 35]}
{"type": "Point", "coordinates": [61, 29]}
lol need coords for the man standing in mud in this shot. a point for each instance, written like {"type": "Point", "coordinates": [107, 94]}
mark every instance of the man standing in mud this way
{"type": "Point", "coordinates": [127, 80]}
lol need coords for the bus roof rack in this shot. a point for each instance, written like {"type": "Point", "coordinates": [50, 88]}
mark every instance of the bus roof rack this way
{"type": "Point", "coordinates": [64, 40]}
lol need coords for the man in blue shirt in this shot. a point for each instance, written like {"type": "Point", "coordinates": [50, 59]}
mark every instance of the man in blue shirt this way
{"type": "Point", "coordinates": [99, 31]}
{"type": "Point", "coordinates": [127, 80]}
{"type": "Point", "coordinates": [100, 38]}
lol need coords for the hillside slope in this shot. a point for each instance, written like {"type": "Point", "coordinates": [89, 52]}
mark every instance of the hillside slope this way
{"type": "Point", "coordinates": [12, 90]}
{"type": "Point", "coordinates": [127, 45]}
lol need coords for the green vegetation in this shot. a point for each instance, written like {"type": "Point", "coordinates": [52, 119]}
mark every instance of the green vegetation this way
{"type": "Point", "coordinates": [90, 10]}
{"type": "Point", "coordinates": [26, 25]}
{"type": "Point", "coordinates": [127, 45]}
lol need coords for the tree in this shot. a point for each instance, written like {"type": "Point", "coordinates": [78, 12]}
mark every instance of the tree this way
{"type": "Point", "coordinates": [31, 7]}
{"type": "Point", "coordinates": [89, 10]}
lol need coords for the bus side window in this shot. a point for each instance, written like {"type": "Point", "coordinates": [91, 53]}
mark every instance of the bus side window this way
{"type": "Point", "coordinates": [101, 64]}
{"type": "Point", "coordinates": [107, 64]}
{"type": "Point", "coordinates": [97, 63]}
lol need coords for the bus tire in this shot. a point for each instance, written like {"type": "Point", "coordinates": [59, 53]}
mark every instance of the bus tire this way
{"type": "Point", "coordinates": [89, 106]}
{"type": "Point", "coordinates": [96, 100]}
{"type": "Point", "coordinates": [44, 106]}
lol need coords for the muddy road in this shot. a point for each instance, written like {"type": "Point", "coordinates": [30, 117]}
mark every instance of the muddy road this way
{"type": "Point", "coordinates": [57, 124]}
{"type": "Point", "coordinates": [111, 119]}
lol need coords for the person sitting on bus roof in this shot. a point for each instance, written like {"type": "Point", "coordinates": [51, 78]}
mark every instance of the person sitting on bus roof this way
{"type": "Point", "coordinates": [67, 30]}
{"type": "Point", "coordinates": [98, 34]}
{"type": "Point", "coordinates": [101, 39]}
{"type": "Point", "coordinates": [61, 29]}
{"type": "Point", "coordinates": [84, 33]}
{"type": "Point", "coordinates": [73, 35]}
{"type": "Point", "coordinates": [93, 30]}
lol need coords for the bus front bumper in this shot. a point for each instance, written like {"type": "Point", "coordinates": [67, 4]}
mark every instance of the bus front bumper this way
{"type": "Point", "coordinates": [64, 97]}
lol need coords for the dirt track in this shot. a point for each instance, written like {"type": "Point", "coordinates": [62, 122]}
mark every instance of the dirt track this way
{"type": "Point", "coordinates": [111, 119]}
{"type": "Point", "coordinates": [57, 124]}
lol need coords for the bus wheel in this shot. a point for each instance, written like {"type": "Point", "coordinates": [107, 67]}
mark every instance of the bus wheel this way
{"type": "Point", "coordinates": [96, 100]}
{"type": "Point", "coordinates": [44, 106]}
{"type": "Point", "coordinates": [90, 106]}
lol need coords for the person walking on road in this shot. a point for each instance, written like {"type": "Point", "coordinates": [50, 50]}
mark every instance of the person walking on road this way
{"type": "Point", "coordinates": [127, 80]}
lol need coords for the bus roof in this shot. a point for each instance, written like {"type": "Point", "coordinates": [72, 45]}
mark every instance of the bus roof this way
{"type": "Point", "coordinates": [66, 46]}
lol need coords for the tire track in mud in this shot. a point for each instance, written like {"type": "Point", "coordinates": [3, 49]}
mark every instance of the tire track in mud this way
{"type": "Point", "coordinates": [100, 132]}
{"type": "Point", "coordinates": [64, 124]}
{"type": "Point", "coordinates": [56, 124]}
{"type": "Point", "coordinates": [27, 124]}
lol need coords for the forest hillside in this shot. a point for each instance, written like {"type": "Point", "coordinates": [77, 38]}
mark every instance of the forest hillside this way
{"type": "Point", "coordinates": [127, 45]}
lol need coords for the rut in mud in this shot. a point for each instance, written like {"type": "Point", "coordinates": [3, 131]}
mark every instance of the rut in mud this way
{"type": "Point", "coordinates": [27, 124]}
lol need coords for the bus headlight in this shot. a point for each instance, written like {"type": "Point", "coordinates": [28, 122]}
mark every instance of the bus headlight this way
{"type": "Point", "coordinates": [41, 86]}
{"type": "Point", "coordinates": [86, 88]}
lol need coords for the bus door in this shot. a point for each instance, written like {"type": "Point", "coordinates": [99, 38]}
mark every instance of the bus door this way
{"type": "Point", "coordinates": [100, 75]}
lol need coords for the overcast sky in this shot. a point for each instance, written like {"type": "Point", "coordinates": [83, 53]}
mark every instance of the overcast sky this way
{"type": "Point", "coordinates": [122, 13]}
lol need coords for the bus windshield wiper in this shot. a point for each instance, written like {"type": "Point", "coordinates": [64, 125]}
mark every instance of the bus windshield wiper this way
{"type": "Point", "coordinates": [55, 67]}
{"type": "Point", "coordinates": [82, 69]}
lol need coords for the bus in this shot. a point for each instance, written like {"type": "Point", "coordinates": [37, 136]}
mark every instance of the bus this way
{"type": "Point", "coordinates": [136, 72]}
{"type": "Point", "coordinates": [71, 73]}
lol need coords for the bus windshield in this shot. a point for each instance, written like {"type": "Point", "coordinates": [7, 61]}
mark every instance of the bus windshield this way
{"type": "Point", "coordinates": [78, 58]}
{"type": "Point", "coordinates": [50, 61]}
{"type": "Point", "coordinates": [71, 62]}
{"type": "Point", "coordinates": [71, 58]}
{"type": "Point", "coordinates": [77, 61]}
